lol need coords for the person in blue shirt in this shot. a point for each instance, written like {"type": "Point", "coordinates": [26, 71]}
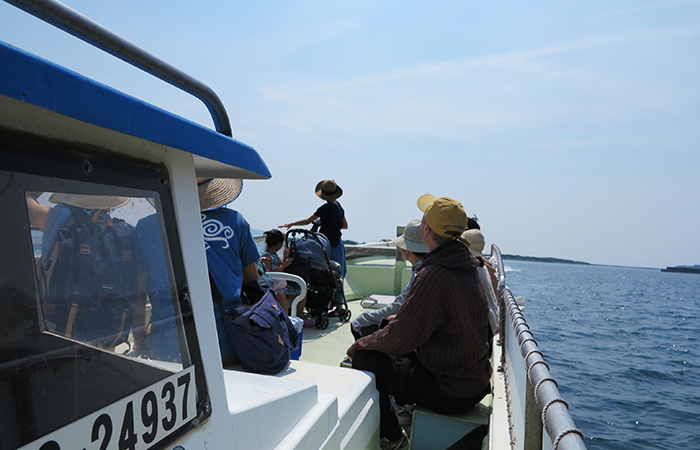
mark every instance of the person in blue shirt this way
{"type": "Point", "coordinates": [161, 332]}
{"type": "Point", "coordinates": [332, 218]}
{"type": "Point", "coordinates": [230, 249]}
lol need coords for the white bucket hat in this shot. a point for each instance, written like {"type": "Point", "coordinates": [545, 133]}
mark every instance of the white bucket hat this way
{"type": "Point", "coordinates": [410, 239]}
{"type": "Point", "coordinates": [476, 241]}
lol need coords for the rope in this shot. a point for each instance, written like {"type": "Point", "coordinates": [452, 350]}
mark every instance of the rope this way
{"type": "Point", "coordinates": [528, 339]}
{"type": "Point", "coordinates": [539, 383]}
{"type": "Point", "coordinates": [555, 445]}
{"type": "Point", "coordinates": [550, 403]}
{"type": "Point", "coordinates": [539, 361]}
{"type": "Point", "coordinates": [534, 351]}
{"type": "Point", "coordinates": [523, 330]}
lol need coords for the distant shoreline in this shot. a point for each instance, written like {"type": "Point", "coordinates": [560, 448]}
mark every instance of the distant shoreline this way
{"type": "Point", "coordinates": [545, 259]}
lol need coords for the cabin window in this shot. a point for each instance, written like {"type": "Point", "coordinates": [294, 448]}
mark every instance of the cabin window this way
{"type": "Point", "coordinates": [97, 336]}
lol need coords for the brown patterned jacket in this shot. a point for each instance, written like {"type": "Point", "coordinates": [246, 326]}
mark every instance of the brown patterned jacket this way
{"type": "Point", "coordinates": [444, 319]}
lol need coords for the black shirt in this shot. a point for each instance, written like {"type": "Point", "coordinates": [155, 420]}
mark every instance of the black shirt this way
{"type": "Point", "coordinates": [331, 215]}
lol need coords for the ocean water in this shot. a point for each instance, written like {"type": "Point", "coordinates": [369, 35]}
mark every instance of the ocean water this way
{"type": "Point", "coordinates": [623, 343]}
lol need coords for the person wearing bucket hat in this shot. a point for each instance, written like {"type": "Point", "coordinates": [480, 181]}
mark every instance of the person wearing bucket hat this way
{"type": "Point", "coordinates": [230, 249]}
{"type": "Point", "coordinates": [332, 219]}
{"type": "Point", "coordinates": [413, 249]}
{"type": "Point", "coordinates": [435, 352]}
{"type": "Point", "coordinates": [486, 273]}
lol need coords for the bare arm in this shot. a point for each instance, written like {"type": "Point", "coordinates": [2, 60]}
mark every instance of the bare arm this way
{"type": "Point", "coordinates": [299, 222]}
{"type": "Point", "coordinates": [345, 224]}
{"type": "Point", "coordinates": [250, 272]}
{"type": "Point", "coordinates": [37, 213]}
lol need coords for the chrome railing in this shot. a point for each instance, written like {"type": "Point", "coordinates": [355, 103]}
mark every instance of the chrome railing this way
{"type": "Point", "coordinates": [71, 21]}
{"type": "Point", "coordinates": [539, 403]}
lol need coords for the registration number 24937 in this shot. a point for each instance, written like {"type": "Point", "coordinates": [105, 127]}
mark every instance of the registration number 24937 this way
{"type": "Point", "coordinates": [133, 423]}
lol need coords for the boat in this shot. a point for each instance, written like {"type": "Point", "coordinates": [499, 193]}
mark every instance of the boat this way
{"type": "Point", "coordinates": [64, 134]}
{"type": "Point", "coordinates": [682, 269]}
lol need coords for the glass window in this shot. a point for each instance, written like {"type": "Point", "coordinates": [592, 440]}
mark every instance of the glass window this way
{"type": "Point", "coordinates": [97, 336]}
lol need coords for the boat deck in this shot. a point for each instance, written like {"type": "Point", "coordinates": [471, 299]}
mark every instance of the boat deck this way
{"type": "Point", "coordinates": [328, 346]}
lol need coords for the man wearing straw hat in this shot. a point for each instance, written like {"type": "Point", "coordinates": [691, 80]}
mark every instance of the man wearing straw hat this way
{"type": "Point", "coordinates": [434, 353]}
{"type": "Point", "coordinates": [230, 249]}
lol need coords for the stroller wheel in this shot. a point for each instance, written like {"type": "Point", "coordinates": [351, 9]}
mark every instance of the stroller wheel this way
{"type": "Point", "coordinates": [345, 317]}
{"type": "Point", "coordinates": [321, 323]}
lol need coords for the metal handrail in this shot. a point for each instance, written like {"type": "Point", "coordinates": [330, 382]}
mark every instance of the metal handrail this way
{"type": "Point", "coordinates": [82, 27]}
{"type": "Point", "coordinates": [555, 410]}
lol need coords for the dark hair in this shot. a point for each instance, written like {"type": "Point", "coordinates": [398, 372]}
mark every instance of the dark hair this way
{"type": "Point", "coordinates": [420, 255]}
{"type": "Point", "coordinates": [273, 237]}
{"type": "Point", "coordinates": [473, 223]}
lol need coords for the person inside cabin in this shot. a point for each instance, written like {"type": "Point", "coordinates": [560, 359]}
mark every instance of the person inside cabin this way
{"type": "Point", "coordinates": [230, 249]}
{"type": "Point", "coordinates": [476, 246]}
{"type": "Point", "coordinates": [157, 338]}
{"type": "Point", "coordinates": [434, 352]}
{"type": "Point", "coordinates": [332, 218]}
{"type": "Point", "coordinates": [413, 249]}
{"type": "Point", "coordinates": [88, 270]}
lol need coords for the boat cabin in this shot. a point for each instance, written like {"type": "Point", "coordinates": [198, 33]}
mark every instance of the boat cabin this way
{"type": "Point", "coordinates": [122, 175]}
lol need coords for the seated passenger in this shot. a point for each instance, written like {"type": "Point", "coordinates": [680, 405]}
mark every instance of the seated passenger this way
{"type": "Point", "coordinates": [434, 353]}
{"type": "Point", "coordinates": [230, 249]}
{"type": "Point", "coordinates": [413, 249]}
{"type": "Point", "coordinates": [272, 263]}
{"type": "Point", "coordinates": [476, 245]}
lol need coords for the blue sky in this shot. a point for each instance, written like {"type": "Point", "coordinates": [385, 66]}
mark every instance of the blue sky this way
{"type": "Point", "coordinates": [571, 129]}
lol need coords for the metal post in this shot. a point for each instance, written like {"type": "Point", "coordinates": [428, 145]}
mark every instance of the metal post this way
{"type": "Point", "coordinates": [399, 266]}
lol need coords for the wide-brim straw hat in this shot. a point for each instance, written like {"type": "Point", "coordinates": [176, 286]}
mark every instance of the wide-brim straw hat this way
{"type": "Point", "coordinates": [328, 190]}
{"type": "Point", "coordinates": [476, 241]}
{"type": "Point", "coordinates": [89, 201]}
{"type": "Point", "coordinates": [410, 239]}
{"type": "Point", "coordinates": [217, 192]}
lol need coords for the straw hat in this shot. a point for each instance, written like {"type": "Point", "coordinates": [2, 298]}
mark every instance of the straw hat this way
{"type": "Point", "coordinates": [328, 190]}
{"type": "Point", "coordinates": [217, 192]}
{"type": "Point", "coordinates": [89, 201]}
{"type": "Point", "coordinates": [444, 215]}
{"type": "Point", "coordinates": [477, 241]}
{"type": "Point", "coordinates": [410, 239]}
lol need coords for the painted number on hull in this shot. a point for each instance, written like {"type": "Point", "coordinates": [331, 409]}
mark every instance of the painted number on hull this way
{"type": "Point", "coordinates": [133, 423]}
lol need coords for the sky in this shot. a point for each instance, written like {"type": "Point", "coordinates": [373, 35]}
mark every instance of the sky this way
{"type": "Point", "coordinates": [571, 129]}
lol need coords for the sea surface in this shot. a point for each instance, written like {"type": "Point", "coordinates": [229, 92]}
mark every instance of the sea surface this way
{"type": "Point", "coordinates": [623, 344]}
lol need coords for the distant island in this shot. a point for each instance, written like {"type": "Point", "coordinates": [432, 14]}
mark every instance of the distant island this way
{"type": "Point", "coordinates": [545, 260]}
{"type": "Point", "coordinates": [683, 269]}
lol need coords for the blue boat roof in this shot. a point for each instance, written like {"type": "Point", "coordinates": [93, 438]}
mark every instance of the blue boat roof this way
{"type": "Point", "coordinates": [34, 80]}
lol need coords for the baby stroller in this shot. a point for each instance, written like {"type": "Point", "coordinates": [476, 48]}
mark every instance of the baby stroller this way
{"type": "Point", "coordinates": [323, 277]}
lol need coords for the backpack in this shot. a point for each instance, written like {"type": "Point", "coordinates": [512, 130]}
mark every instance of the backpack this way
{"type": "Point", "coordinates": [262, 333]}
{"type": "Point", "coordinates": [87, 277]}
